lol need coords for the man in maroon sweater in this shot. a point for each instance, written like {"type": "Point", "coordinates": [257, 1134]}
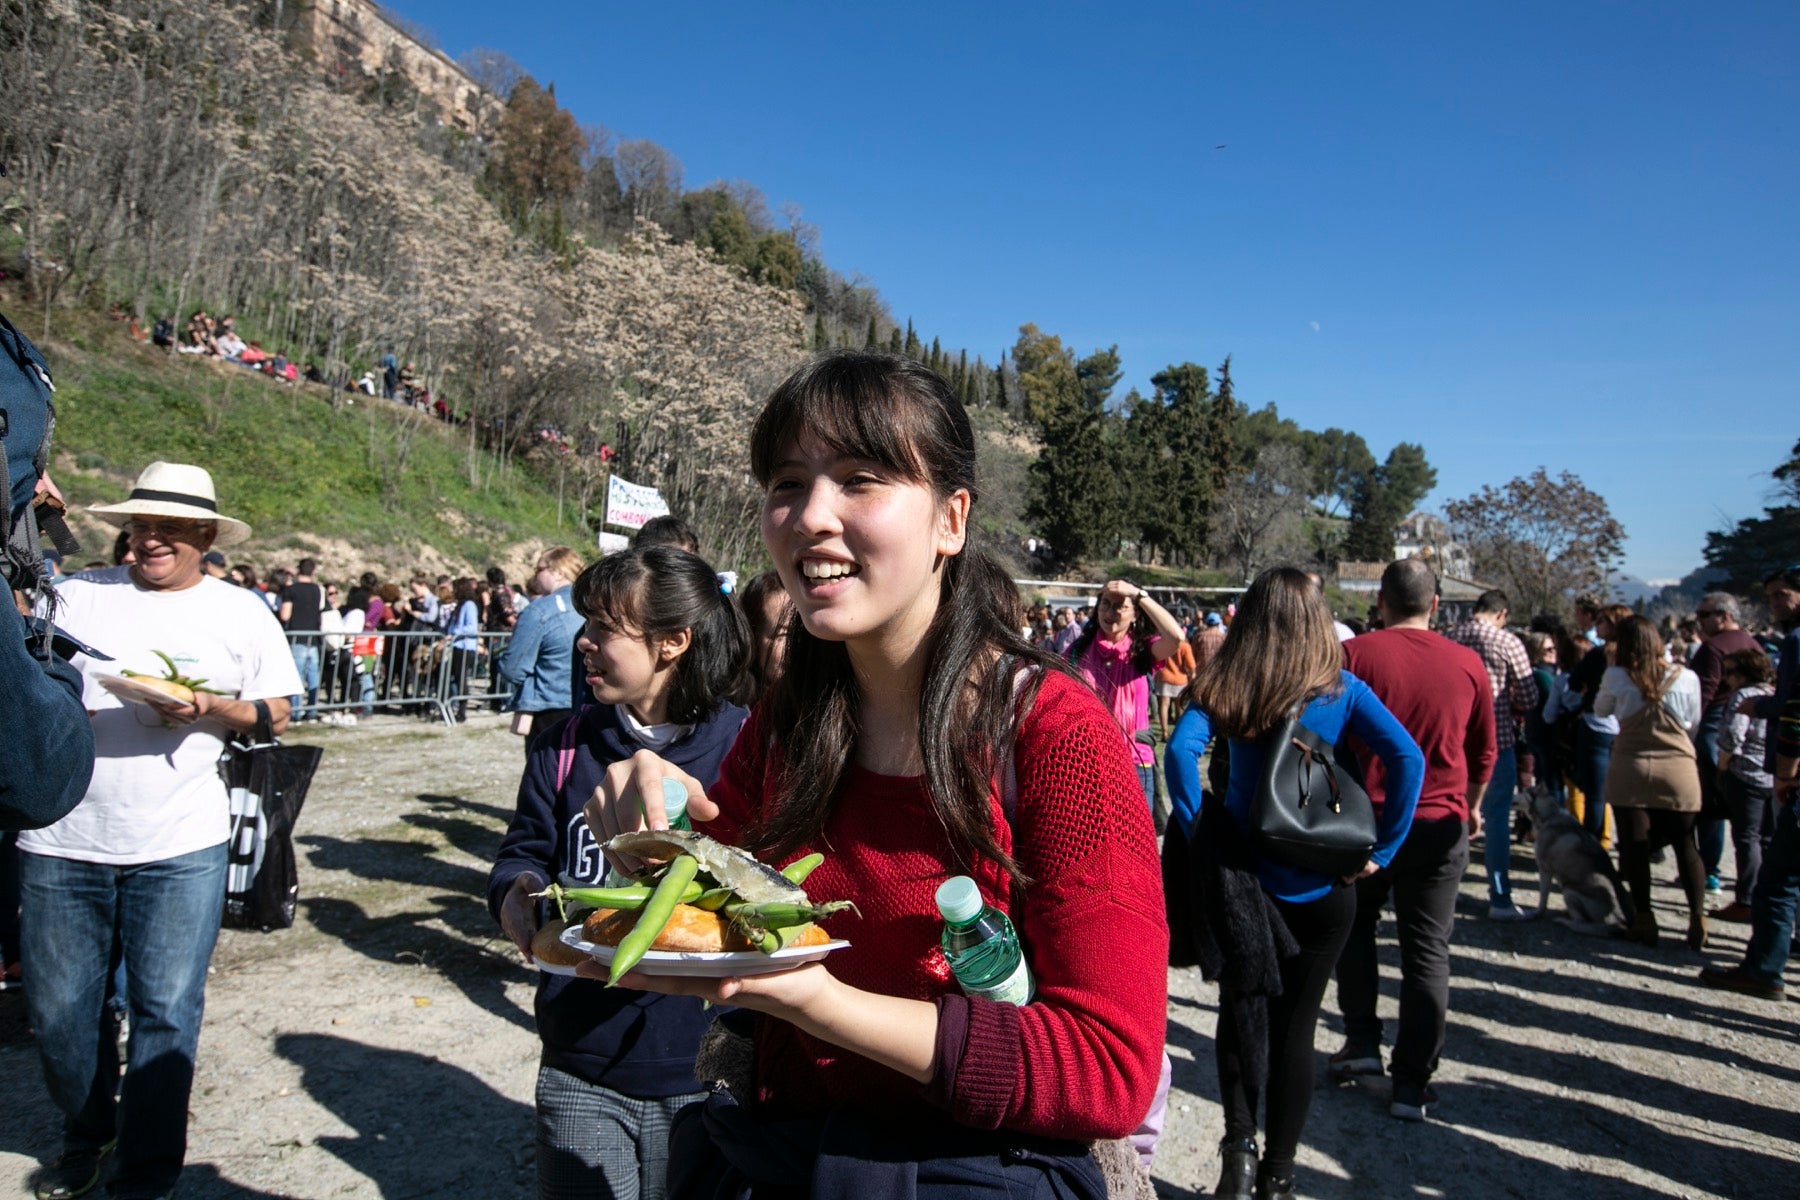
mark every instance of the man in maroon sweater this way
{"type": "Point", "coordinates": [1440, 692]}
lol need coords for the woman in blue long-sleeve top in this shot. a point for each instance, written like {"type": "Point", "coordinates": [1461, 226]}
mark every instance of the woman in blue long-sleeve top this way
{"type": "Point", "coordinates": [1281, 653]}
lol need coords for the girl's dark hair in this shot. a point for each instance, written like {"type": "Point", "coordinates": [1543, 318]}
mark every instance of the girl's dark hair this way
{"type": "Point", "coordinates": [1751, 665]}
{"type": "Point", "coordinates": [1281, 650]}
{"type": "Point", "coordinates": [122, 543]}
{"type": "Point", "coordinates": [463, 588]}
{"type": "Point", "coordinates": [496, 577]}
{"type": "Point", "coordinates": [754, 598]}
{"type": "Point", "coordinates": [658, 591]}
{"type": "Point", "coordinates": [896, 413]}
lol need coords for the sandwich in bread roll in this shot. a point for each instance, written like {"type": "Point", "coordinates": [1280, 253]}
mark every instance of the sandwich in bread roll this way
{"type": "Point", "coordinates": [690, 931]}
{"type": "Point", "coordinates": [178, 693]}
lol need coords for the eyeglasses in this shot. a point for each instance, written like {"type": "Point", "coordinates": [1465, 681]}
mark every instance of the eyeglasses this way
{"type": "Point", "coordinates": [1702, 614]}
{"type": "Point", "coordinates": [165, 529]}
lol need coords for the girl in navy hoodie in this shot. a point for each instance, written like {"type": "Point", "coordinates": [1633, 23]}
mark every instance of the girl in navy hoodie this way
{"type": "Point", "coordinates": [665, 655]}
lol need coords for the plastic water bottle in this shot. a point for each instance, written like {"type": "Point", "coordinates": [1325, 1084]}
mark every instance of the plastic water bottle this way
{"type": "Point", "coordinates": [675, 800]}
{"type": "Point", "coordinates": [982, 946]}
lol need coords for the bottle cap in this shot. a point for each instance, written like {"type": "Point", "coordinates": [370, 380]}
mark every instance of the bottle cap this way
{"type": "Point", "coordinates": [675, 798]}
{"type": "Point", "coordinates": [959, 900]}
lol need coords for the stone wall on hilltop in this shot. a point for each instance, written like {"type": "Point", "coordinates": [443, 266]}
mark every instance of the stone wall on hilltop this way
{"type": "Point", "coordinates": [354, 39]}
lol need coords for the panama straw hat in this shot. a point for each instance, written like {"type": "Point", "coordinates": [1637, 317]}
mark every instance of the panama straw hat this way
{"type": "Point", "coordinates": [174, 490]}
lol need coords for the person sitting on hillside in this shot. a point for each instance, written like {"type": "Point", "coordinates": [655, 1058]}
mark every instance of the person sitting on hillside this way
{"type": "Point", "coordinates": [230, 346]}
{"type": "Point", "coordinates": [199, 338]}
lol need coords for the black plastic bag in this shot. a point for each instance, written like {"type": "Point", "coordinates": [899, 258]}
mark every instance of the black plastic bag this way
{"type": "Point", "coordinates": [267, 784]}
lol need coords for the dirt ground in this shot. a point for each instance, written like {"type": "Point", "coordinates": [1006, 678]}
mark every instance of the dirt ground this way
{"type": "Point", "coordinates": [384, 1046]}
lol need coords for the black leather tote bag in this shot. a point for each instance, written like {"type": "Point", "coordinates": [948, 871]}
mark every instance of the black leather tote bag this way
{"type": "Point", "coordinates": [1309, 812]}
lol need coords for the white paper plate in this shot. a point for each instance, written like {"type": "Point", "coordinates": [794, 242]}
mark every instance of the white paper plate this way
{"type": "Point", "coordinates": [552, 968]}
{"type": "Point", "coordinates": [138, 693]}
{"type": "Point", "coordinates": [719, 965]}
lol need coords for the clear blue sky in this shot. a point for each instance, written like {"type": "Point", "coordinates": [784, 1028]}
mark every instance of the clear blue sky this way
{"type": "Point", "coordinates": [1520, 234]}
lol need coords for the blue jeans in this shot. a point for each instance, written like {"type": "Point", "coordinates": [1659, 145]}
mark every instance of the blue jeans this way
{"type": "Point", "coordinates": [1771, 906]}
{"type": "Point", "coordinates": [1593, 751]}
{"type": "Point", "coordinates": [166, 918]}
{"type": "Point", "coordinates": [1496, 819]}
{"type": "Point", "coordinates": [1147, 777]}
{"type": "Point", "coordinates": [306, 661]}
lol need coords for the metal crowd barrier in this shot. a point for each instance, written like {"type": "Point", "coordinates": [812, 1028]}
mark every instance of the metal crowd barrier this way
{"type": "Point", "coordinates": [408, 671]}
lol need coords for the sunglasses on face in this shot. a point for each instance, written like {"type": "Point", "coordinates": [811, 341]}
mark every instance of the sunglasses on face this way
{"type": "Point", "coordinates": [165, 529]}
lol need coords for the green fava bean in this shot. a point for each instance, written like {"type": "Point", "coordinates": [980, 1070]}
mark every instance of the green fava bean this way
{"type": "Point", "coordinates": [656, 913]}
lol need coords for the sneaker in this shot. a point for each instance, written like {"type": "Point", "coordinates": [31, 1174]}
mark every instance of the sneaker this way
{"type": "Point", "coordinates": [1506, 910]}
{"type": "Point", "coordinates": [74, 1174]}
{"type": "Point", "coordinates": [1736, 979]}
{"type": "Point", "coordinates": [1352, 1061]}
{"type": "Point", "coordinates": [1412, 1102]}
{"type": "Point", "coordinates": [1735, 913]}
{"type": "Point", "coordinates": [1712, 885]}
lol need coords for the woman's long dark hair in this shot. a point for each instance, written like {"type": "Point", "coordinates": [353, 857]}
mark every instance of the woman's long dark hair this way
{"type": "Point", "coordinates": [658, 591]}
{"type": "Point", "coordinates": [896, 413]}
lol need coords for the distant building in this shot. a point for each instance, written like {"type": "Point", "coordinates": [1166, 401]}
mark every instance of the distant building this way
{"type": "Point", "coordinates": [356, 42]}
{"type": "Point", "coordinates": [1456, 594]}
{"type": "Point", "coordinates": [1423, 535]}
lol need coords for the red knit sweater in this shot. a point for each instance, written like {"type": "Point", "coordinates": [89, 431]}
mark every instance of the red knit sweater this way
{"type": "Point", "coordinates": [1082, 1060]}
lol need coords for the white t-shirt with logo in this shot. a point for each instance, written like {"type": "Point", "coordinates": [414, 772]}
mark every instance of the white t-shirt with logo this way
{"type": "Point", "coordinates": [156, 792]}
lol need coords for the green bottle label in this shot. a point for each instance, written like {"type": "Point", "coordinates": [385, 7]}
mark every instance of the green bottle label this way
{"type": "Point", "coordinates": [1016, 988]}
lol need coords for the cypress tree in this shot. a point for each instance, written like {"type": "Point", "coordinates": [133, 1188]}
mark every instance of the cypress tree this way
{"type": "Point", "coordinates": [874, 335]}
{"type": "Point", "coordinates": [894, 346]}
{"type": "Point", "coordinates": [912, 342]}
{"type": "Point", "coordinates": [821, 340]}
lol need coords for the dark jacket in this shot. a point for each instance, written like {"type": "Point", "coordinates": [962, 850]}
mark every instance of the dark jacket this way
{"type": "Point", "coordinates": [47, 751]}
{"type": "Point", "coordinates": [637, 1043]}
{"type": "Point", "coordinates": [47, 747]}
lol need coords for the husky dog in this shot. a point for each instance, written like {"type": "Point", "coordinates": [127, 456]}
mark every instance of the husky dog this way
{"type": "Point", "coordinates": [1571, 856]}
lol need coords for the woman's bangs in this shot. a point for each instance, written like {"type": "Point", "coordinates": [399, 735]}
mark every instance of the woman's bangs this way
{"type": "Point", "coordinates": [608, 596]}
{"type": "Point", "coordinates": [852, 408]}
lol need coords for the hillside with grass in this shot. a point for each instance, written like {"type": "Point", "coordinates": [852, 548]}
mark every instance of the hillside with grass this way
{"type": "Point", "coordinates": [362, 485]}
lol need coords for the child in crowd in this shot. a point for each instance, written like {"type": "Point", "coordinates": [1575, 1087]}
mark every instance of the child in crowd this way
{"type": "Point", "coordinates": [915, 735]}
{"type": "Point", "coordinates": [665, 654]}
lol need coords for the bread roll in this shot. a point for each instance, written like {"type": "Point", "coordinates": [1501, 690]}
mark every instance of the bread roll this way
{"type": "Point", "coordinates": [547, 946]}
{"type": "Point", "coordinates": [690, 931]}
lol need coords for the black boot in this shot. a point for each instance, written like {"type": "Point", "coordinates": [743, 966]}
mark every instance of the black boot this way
{"type": "Point", "coordinates": [1273, 1187]}
{"type": "Point", "coordinates": [1237, 1177]}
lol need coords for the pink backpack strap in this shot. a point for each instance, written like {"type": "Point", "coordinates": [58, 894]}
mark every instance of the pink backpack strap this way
{"type": "Point", "coordinates": [565, 752]}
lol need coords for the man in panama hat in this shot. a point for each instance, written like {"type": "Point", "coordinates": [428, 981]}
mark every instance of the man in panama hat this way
{"type": "Point", "coordinates": [144, 852]}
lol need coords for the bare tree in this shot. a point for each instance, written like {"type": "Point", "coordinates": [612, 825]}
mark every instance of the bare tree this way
{"type": "Point", "coordinates": [1259, 517]}
{"type": "Point", "coordinates": [651, 179]}
{"type": "Point", "coordinates": [1543, 540]}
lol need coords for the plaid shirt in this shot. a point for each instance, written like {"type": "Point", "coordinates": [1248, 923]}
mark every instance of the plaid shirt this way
{"type": "Point", "coordinates": [1509, 674]}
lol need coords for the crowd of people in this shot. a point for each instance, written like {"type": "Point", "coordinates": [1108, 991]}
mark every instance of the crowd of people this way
{"type": "Point", "coordinates": [217, 337]}
{"type": "Point", "coordinates": [884, 698]}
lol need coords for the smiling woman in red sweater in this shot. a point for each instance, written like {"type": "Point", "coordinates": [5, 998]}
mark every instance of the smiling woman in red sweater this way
{"type": "Point", "coordinates": [908, 699]}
